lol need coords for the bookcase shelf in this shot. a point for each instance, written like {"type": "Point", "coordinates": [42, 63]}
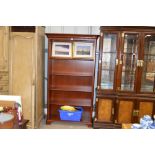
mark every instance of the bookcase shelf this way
{"type": "Point", "coordinates": [85, 118]}
{"type": "Point", "coordinates": [70, 79]}
{"type": "Point", "coordinates": [72, 88]}
{"type": "Point", "coordinates": [71, 74]}
{"type": "Point", "coordinates": [71, 102]}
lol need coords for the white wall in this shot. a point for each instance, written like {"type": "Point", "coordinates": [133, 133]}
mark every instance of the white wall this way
{"type": "Point", "coordinates": [64, 29]}
{"type": "Point", "coordinates": [71, 29]}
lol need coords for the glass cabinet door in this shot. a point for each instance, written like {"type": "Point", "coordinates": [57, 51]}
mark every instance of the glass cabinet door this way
{"type": "Point", "coordinates": [109, 55]}
{"type": "Point", "coordinates": [148, 65]}
{"type": "Point", "coordinates": [128, 61]}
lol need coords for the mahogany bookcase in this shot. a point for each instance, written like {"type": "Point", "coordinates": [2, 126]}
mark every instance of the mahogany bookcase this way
{"type": "Point", "coordinates": [71, 70]}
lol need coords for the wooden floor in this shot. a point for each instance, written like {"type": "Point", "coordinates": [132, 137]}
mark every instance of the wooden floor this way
{"type": "Point", "coordinates": [62, 125]}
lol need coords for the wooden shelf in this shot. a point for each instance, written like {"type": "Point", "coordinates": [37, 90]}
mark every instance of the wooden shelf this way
{"type": "Point", "coordinates": [70, 58]}
{"type": "Point", "coordinates": [130, 71]}
{"type": "Point", "coordinates": [72, 88]}
{"type": "Point", "coordinates": [129, 53]}
{"type": "Point", "coordinates": [85, 118]}
{"type": "Point", "coordinates": [109, 51]}
{"type": "Point", "coordinates": [106, 69]}
{"type": "Point", "coordinates": [72, 102]}
{"type": "Point", "coordinates": [149, 54]}
{"type": "Point", "coordinates": [72, 74]}
{"type": "Point", "coordinates": [145, 71]}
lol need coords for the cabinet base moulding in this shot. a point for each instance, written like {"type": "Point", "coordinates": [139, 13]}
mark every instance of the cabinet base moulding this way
{"type": "Point", "coordinates": [106, 125]}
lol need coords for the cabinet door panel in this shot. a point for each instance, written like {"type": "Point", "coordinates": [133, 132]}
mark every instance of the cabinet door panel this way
{"type": "Point", "coordinates": [128, 61]}
{"type": "Point", "coordinates": [148, 64]}
{"type": "Point", "coordinates": [109, 56]}
{"type": "Point", "coordinates": [104, 110]}
{"type": "Point", "coordinates": [22, 80]}
{"type": "Point", "coordinates": [129, 57]}
{"type": "Point", "coordinates": [125, 111]}
{"type": "Point", "coordinates": [145, 108]}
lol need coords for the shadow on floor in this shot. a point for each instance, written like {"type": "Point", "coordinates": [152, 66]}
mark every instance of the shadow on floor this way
{"type": "Point", "coordinates": [62, 125]}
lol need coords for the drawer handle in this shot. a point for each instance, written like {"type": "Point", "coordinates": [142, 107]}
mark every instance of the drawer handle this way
{"type": "Point", "coordinates": [1, 88]}
{"type": "Point", "coordinates": [135, 112]}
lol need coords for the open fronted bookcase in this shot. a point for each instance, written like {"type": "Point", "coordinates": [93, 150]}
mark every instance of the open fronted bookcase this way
{"type": "Point", "coordinates": [71, 69]}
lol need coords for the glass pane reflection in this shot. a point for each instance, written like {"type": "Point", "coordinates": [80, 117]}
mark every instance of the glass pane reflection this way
{"type": "Point", "coordinates": [108, 60]}
{"type": "Point", "coordinates": [148, 74]}
{"type": "Point", "coordinates": [129, 58]}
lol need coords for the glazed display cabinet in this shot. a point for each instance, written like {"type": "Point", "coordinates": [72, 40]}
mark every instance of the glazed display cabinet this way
{"type": "Point", "coordinates": [126, 76]}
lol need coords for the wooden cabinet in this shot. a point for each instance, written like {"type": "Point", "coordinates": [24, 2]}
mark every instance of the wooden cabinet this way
{"type": "Point", "coordinates": [26, 70]}
{"type": "Point", "coordinates": [71, 66]}
{"type": "Point", "coordinates": [4, 67]}
{"type": "Point", "coordinates": [127, 72]}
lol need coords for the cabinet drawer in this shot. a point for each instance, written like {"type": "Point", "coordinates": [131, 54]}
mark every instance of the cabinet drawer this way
{"type": "Point", "coordinates": [4, 88]}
